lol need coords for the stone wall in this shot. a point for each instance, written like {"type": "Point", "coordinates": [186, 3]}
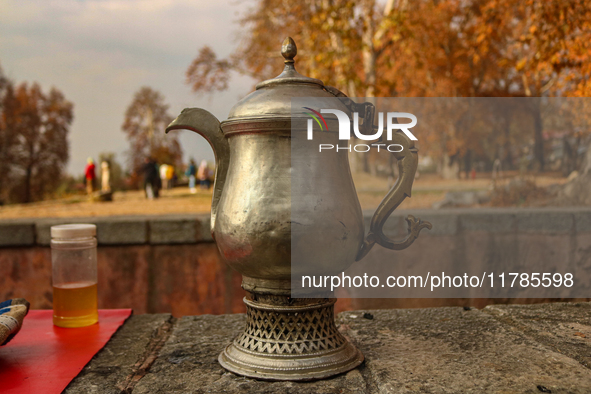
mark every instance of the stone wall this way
{"type": "Point", "coordinates": [151, 264]}
{"type": "Point", "coordinates": [530, 239]}
{"type": "Point", "coordinates": [169, 263]}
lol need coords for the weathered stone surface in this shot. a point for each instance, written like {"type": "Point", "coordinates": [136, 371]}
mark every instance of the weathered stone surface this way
{"type": "Point", "coordinates": [124, 231]}
{"type": "Point", "coordinates": [487, 221]}
{"type": "Point", "coordinates": [501, 349]}
{"type": "Point", "coordinates": [452, 350]}
{"type": "Point", "coordinates": [206, 285]}
{"type": "Point", "coordinates": [542, 221]}
{"type": "Point", "coordinates": [43, 228]}
{"type": "Point", "coordinates": [582, 260]}
{"type": "Point", "coordinates": [17, 233]}
{"type": "Point", "coordinates": [561, 327]}
{"type": "Point", "coordinates": [26, 273]}
{"type": "Point", "coordinates": [118, 366]}
{"type": "Point", "coordinates": [188, 364]}
{"type": "Point", "coordinates": [546, 253]}
{"type": "Point", "coordinates": [173, 231]}
{"type": "Point", "coordinates": [204, 228]}
{"type": "Point", "coordinates": [583, 222]}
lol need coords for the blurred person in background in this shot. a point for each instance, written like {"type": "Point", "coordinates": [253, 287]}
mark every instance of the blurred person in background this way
{"type": "Point", "coordinates": [191, 172]}
{"type": "Point", "coordinates": [163, 177]}
{"type": "Point", "coordinates": [151, 178]}
{"type": "Point", "coordinates": [203, 175]}
{"type": "Point", "coordinates": [105, 177]}
{"type": "Point", "coordinates": [90, 175]}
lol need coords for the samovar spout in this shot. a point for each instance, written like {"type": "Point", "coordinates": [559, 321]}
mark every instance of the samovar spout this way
{"type": "Point", "coordinates": [204, 123]}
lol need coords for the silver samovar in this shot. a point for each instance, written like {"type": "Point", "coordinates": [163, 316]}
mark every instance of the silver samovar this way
{"type": "Point", "coordinates": [252, 212]}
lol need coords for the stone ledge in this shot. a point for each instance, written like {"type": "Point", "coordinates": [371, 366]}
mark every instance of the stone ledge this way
{"type": "Point", "coordinates": [15, 233]}
{"type": "Point", "coordinates": [113, 230]}
{"type": "Point", "coordinates": [583, 222]}
{"type": "Point", "coordinates": [518, 348]}
{"type": "Point", "coordinates": [169, 231]}
{"type": "Point", "coordinates": [545, 222]}
{"type": "Point", "coordinates": [454, 221]}
{"type": "Point", "coordinates": [128, 231]}
{"type": "Point", "coordinates": [194, 228]}
{"type": "Point", "coordinates": [488, 222]}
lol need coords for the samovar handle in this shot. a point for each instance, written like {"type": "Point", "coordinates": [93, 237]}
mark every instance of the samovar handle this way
{"type": "Point", "coordinates": [407, 165]}
{"type": "Point", "coordinates": [204, 123]}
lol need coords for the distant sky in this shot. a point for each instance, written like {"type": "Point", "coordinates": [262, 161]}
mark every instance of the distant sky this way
{"type": "Point", "coordinates": [100, 52]}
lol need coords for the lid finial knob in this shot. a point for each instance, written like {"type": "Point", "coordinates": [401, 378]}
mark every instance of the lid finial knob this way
{"type": "Point", "coordinates": [289, 50]}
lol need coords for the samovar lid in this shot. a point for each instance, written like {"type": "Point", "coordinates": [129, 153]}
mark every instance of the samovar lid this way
{"type": "Point", "coordinates": [289, 50]}
{"type": "Point", "coordinates": [271, 101]}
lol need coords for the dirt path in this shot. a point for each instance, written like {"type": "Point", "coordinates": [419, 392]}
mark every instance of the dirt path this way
{"type": "Point", "coordinates": [371, 190]}
{"type": "Point", "coordinates": [178, 200]}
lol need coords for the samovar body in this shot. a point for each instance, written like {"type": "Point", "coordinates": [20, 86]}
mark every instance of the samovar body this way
{"type": "Point", "coordinates": [275, 200]}
{"type": "Point", "coordinates": [282, 201]}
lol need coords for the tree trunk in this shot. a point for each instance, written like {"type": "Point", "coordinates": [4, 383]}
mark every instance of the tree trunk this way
{"type": "Point", "coordinates": [578, 190]}
{"type": "Point", "coordinates": [508, 159]}
{"type": "Point", "coordinates": [450, 168]}
{"type": "Point", "coordinates": [4, 166]}
{"type": "Point", "coordinates": [28, 179]}
{"type": "Point", "coordinates": [586, 165]}
{"type": "Point", "coordinates": [337, 46]}
{"type": "Point", "coordinates": [468, 163]}
{"type": "Point", "coordinates": [568, 157]}
{"type": "Point", "coordinates": [538, 135]}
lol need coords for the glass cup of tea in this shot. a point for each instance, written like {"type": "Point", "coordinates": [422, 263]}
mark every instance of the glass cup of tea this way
{"type": "Point", "coordinates": [74, 275]}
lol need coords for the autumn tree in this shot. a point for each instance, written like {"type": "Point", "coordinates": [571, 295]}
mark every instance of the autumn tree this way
{"type": "Point", "coordinates": [364, 48]}
{"type": "Point", "coordinates": [493, 48]}
{"type": "Point", "coordinates": [35, 147]}
{"type": "Point", "coordinates": [145, 120]}
{"type": "Point", "coordinates": [549, 51]}
{"type": "Point", "coordinates": [423, 48]}
{"type": "Point", "coordinates": [342, 42]}
{"type": "Point", "coordinates": [6, 138]}
{"type": "Point", "coordinates": [339, 43]}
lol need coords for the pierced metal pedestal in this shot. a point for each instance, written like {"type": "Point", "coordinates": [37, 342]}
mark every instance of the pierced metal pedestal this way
{"type": "Point", "coordinates": [289, 339]}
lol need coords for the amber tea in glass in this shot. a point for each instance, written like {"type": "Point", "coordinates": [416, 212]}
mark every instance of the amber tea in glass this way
{"type": "Point", "coordinates": [75, 304]}
{"type": "Point", "coordinates": [73, 255]}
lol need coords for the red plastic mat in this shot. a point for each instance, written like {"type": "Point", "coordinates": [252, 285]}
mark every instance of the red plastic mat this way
{"type": "Point", "coordinates": [43, 358]}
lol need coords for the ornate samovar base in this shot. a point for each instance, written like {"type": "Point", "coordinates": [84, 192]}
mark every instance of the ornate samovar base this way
{"type": "Point", "coordinates": [289, 339]}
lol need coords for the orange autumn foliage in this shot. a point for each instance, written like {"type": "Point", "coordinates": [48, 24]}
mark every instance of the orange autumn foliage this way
{"type": "Point", "coordinates": [421, 48]}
